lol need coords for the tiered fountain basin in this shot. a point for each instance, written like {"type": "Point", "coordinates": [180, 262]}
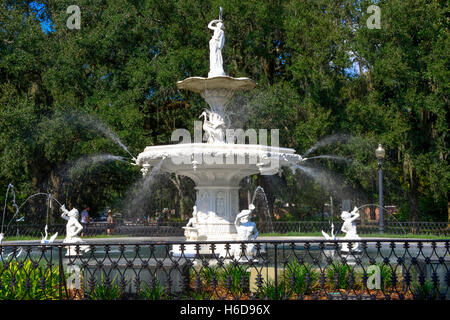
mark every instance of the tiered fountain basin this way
{"type": "Point", "coordinates": [216, 91]}
{"type": "Point", "coordinates": [200, 84]}
{"type": "Point", "coordinates": [217, 170]}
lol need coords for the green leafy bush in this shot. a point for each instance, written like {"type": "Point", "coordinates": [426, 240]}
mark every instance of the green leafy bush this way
{"type": "Point", "coordinates": [235, 278]}
{"type": "Point", "coordinates": [299, 278]}
{"type": "Point", "coordinates": [209, 273]}
{"type": "Point", "coordinates": [338, 275]}
{"type": "Point", "coordinates": [24, 280]}
{"type": "Point", "coordinates": [386, 275]}
{"type": "Point", "coordinates": [269, 292]}
{"type": "Point", "coordinates": [156, 292]}
{"type": "Point", "coordinates": [105, 290]}
{"type": "Point", "coordinates": [425, 291]}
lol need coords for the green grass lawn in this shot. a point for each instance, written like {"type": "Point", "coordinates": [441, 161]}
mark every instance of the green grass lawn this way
{"type": "Point", "coordinates": [287, 234]}
{"type": "Point", "coordinates": [62, 237]}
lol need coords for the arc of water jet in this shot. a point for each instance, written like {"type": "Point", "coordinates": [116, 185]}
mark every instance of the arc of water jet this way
{"type": "Point", "coordinates": [260, 189]}
{"type": "Point", "coordinates": [26, 200]}
{"type": "Point", "coordinates": [326, 141]}
{"type": "Point", "coordinates": [330, 157]}
{"type": "Point", "coordinates": [4, 208]}
{"type": "Point", "coordinates": [387, 211]}
{"type": "Point", "coordinates": [143, 184]}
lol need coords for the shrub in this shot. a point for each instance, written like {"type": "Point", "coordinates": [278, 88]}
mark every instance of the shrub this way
{"type": "Point", "coordinates": [299, 278]}
{"type": "Point", "coordinates": [386, 276]}
{"type": "Point", "coordinates": [425, 291]}
{"type": "Point", "coordinates": [154, 292]}
{"type": "Point", "coordinates": [235, 278]}
{"type": "Point", "coordinates": [338, 275]}
{"type": "Point", "coordinates": [105, 290]}
{"type": "Point", "coordinates": [267, 291]}
{"type": "Point", "coordinates": [25, 280]}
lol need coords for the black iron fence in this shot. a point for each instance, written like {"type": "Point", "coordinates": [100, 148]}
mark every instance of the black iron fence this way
{"type": "Point", "coordinates": [167, 229]}
{"type": "Point", "coordinates": [390, 227]}
{"type": "Point", "coordinates": [368, 270]}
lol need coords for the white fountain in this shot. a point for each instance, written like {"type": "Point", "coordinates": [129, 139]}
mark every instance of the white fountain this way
{"type": "Point", "coordinates": [217, 166]}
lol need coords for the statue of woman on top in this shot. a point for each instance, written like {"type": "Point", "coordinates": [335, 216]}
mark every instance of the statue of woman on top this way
{"type": "Point", "coordinates": [215, 48]}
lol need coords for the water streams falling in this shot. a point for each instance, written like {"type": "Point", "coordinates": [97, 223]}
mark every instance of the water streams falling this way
{"type": "Point", "coordinates": [259, 191]}
{"type": "Point", "coordinates": [17, 208]}
{"type": "Point", "coordinates": [49, 199]}
{"type": "Point", "coordinates": [330, 182]}
{"type": "Point", "coordinates": [92, 122]}
{"type": "Point", "coordinates": [329, 157]}
{"type": "Point", "coordinates": [386, 211]}
{"type": "Point", "coordinates": [83, 163]}
{"type": "Point", "coordinates": [10, 187]}
{"type": "Point", "coordinates": [326, 141]}
{"type": "Point", "coordinates": [140, 193]}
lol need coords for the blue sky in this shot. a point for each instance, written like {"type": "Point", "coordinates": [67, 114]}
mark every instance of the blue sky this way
{"type": "Point", "coordinates": [46, 24]}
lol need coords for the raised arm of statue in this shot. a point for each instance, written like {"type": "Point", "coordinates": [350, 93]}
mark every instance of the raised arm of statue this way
{"type": "Point", "coordinates": [211, 24]}
{"type": "Point", "coordinates": [64, 213]}
{"type": "Point", "coordinates": [354, 214]}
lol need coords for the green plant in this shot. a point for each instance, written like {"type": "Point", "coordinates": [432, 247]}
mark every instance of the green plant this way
{"type": "Point", "coordinates": [155, 292]}
{"type": "Point", "coordinates": [425, 291]}
{"type": "Point", "coordinates": [338, 275]}
{"type": "Point", "coordinates": [270, 292]}
{"type": "Point", "coordinates": [235, 278]}
{"type": "Point", "coordinates": [23, 280]}
{"type": "Point", "coordinates": [105, 290]}
{"type": "Point", "coordinates": [386, 275]}
{"type": "Point", "coordinates": [299, 278]}
{"type": "Point", "coordinates": [209, 273]}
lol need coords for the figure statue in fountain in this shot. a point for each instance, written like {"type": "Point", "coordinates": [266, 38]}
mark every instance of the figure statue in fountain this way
{"type": "Point", "coordinates": [51, 239]}
{"type": "Point", "coordinates": [333, 235]}
{"type": "Point", "coordinates": [194, 220]}
{"type": "Point", "coordinates": [246, 230]}
{"type": "Point", "coordinates": [214, 126]}
{"type": "Point", "coordinates": [349, 228]}
{"type": "Point", "coordinates": [215, 49]}
{"type": "Point", "coordinates": [191, 230]}
{"type": "Point", "coordinates": [73, 229]}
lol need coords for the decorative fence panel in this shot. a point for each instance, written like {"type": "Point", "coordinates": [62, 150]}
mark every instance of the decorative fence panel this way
{"type": "Point", "coordinates": [376, 270]}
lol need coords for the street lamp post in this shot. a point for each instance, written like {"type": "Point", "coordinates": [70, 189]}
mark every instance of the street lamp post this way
{"type": "Point", "coordinates": [380, 153]}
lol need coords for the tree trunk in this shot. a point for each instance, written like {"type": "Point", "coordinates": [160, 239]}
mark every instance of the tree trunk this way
{"type": "Point", "coordinates": [413, 203]}
{"type": "Point", "coordinates": [265, 184]}
{"type": "Point", "coordinates": [177, 183]}
{"type": "Point", "coordinates": [448, 214]}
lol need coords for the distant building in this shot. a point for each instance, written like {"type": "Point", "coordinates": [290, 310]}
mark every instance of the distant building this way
{"type": "Point", "coordinates": [372, 213]}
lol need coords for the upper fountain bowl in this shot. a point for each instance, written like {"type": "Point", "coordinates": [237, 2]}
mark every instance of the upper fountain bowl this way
{"type": "Point", "coordinates": [200, 84]}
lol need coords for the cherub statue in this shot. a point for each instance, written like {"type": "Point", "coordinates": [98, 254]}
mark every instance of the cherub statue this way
{"type": "Point", "coordinates": [73, 228]}
{"type": "Point", "coordinates": [191, 230]}
{"type": "Point", "coordinates": [349, 225]}
{"type": "Point", "coordinates": [194, 220]}
{"type": "Point", "coordinates": [349, 228]}
{"type": "Point", "coordinates": [246, 229]}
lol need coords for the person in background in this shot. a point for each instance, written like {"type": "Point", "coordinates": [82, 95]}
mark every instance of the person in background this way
{"type": "Point", "coordinates": [85, 219]}
{"type": "Point", "coordinates": [110, 222]}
